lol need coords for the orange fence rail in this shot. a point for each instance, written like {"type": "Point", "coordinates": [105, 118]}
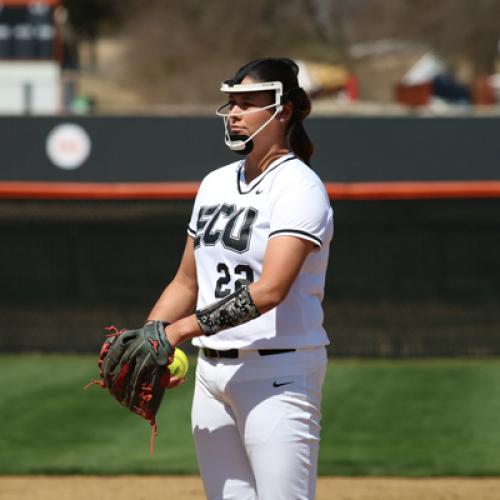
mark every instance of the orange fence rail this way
{"type": "Point", "coordinates": [413, 190]}
{"type": "Point", "coordinates": [187, 190]}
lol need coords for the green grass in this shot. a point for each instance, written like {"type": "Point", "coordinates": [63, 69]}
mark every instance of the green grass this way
{"type": "Point", "coordinates": [412, 418]}
{"type": "Point", "coordinates": [400, 418]}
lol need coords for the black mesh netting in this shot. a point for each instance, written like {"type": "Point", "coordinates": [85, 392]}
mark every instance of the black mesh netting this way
{"type": "Point", "coordinates": [406, 278]}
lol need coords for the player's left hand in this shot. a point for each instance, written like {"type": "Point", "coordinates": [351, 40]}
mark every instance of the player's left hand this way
{"type": "Point", "coordinates": [133, 367]}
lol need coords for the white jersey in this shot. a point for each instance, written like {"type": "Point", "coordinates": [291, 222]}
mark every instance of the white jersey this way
{"type": "Point", "coordinates": [231, 224]}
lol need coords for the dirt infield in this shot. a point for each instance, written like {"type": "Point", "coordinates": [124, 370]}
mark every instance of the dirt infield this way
{"type": "Point", "coordinates": [190, 488]}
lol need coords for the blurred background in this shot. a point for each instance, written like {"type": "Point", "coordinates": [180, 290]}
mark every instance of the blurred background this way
{"type": "Point", "coordinates": [149, 56]}
{"type": "Point", "coordinates": [107, 125]}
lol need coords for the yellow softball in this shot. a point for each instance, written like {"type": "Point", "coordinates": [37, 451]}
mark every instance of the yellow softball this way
{"type": "Point", "coordinates": [180, 365]}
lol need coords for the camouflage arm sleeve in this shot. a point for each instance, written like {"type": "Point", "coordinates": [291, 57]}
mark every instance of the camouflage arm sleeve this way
{"type": "Point", "coordinates": [233, 310]}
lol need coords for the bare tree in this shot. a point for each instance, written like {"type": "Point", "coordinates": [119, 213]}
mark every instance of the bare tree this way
{"type": "Point", "coordinates": [178, 50]}
{"type": "Point", "coordinates": [454, 28]}
{"type": "Point", "coordinates": [181, 49]}
{"type": "Point", "coordinates": [461, 28]}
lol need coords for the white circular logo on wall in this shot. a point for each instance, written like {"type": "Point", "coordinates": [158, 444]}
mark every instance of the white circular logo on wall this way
{"type": "Point", "coordinates": [68, 146]}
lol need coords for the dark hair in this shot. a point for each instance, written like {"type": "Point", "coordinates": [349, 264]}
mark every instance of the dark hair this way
{"type": "Point", "coordinates": [285, 71]}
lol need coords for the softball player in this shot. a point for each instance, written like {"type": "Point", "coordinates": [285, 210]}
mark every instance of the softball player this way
{"type": "Point", "coordinates": [253, 270]}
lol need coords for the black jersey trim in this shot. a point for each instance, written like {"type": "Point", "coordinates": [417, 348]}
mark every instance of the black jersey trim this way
{"type": "Point", "coordinates": [310, 236]}
{"type": "Point", "coordinates": [269, 170]}
{"type": "Point", "coordinates": [191, 232]}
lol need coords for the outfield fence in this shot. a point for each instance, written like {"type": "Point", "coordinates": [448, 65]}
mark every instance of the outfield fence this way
{"type": "Point", "coordinates": [407, 277]}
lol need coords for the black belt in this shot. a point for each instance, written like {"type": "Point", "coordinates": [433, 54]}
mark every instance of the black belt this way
{"type": "Point", "coordinates": [233, 353]}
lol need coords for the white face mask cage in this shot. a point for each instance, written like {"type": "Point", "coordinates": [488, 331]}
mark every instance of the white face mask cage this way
{"type": "Point", "coordinates": [224, 111]}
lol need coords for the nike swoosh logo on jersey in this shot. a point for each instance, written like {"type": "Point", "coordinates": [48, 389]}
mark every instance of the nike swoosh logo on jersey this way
{"type": "Point", "coordinates": [276, 384]}
{"type": "Point", "coordinates": [258, 191]}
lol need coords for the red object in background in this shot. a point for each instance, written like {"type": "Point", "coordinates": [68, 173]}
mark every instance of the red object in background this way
{"type": "Point", "coordinates": [414, 95]}
{"type": "Point", "coordinates": [352, 88]}
{"type": "Point", "coordinates": [482, 91]}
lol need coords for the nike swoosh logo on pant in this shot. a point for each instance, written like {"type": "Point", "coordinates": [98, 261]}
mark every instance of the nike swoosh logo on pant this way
{"type": "Point", "coordinates": [275, 384]}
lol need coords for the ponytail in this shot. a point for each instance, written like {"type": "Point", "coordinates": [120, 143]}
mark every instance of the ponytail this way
{"type": "Point", "coordinates": [298, 139]}
{"type": "Point", "coordinates": [300, 142]}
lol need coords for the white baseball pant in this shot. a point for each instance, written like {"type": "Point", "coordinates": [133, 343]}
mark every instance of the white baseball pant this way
{"type": "Point", "coordinates": [256, 424]}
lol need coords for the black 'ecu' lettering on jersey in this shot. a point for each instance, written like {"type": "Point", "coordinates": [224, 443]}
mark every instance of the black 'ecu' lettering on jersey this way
{"type": "Point", "coordinates": [232, 217]}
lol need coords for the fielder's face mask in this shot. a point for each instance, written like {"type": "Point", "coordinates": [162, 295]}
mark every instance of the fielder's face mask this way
{"type": "Point", "coordinates": [243, 144]}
